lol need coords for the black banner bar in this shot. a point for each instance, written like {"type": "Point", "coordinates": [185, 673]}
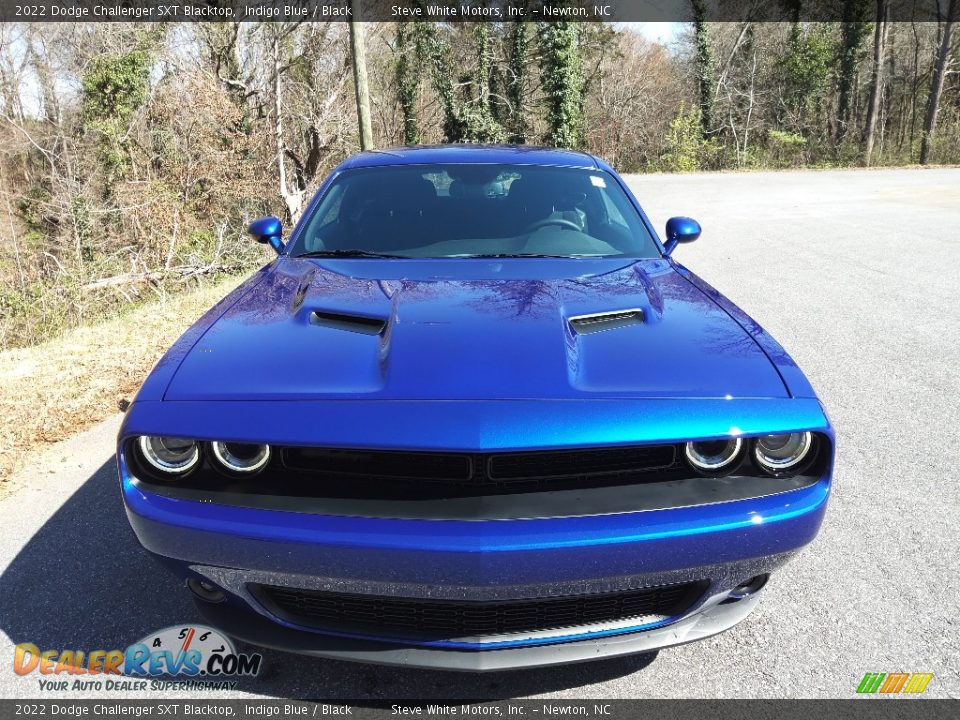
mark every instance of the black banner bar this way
{"type": "Point", "coordinates": [462, 10]}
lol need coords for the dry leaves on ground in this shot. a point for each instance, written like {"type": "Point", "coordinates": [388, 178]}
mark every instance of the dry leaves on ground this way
{"type": "Point", "coordinates": [53, 390]}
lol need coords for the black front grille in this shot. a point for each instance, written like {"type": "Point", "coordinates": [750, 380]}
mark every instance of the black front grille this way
{"type": "Point", "coordinates": [376, 463]}
{"type": "Point", "coordinates": [571, 463]}
{"type": "Point", "coordinates": [447, 619]}
{"type": "Point", "coordinates": [406, 475]}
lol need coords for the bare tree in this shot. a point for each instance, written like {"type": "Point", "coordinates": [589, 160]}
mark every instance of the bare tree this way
{"type": "Point", "coordinates": [222, 47]}
{"type": "Point", "coordinates": [292, 196]}
{"type": "Point", "coordinates": [132, 155]}
{"type": "Point", "coordinates": [876, 80]}
{"type": "Point", "coordinates": [936, 85]}
{"type": "Point", "coordinates": [11, 71]}
{"type": "Point", "coordinates": [38, 40]}
{"type": "Point", "coordinates": [312, 61]}
{"type": "Point", "coordinates": [742, 101]}
{"type": "Point", "coordinates": [359, 57]}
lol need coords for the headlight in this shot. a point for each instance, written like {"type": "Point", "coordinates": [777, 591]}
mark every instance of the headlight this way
{"type": "Point", "coordinates": [776, 453]}
{"type": "Point", "coordinates": [242, 458]}
{"type": "Point", "coordinates": [713, 455]}
{"type": "Point", "coordinates": [170, 455]}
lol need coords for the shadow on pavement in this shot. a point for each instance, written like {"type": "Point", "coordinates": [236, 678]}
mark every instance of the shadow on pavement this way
{"type": "Point", "coordinates": [82, 582]}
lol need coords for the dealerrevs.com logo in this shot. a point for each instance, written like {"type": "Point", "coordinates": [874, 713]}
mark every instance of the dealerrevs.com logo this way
{"type": "Point", "coordinates": [198, 657]}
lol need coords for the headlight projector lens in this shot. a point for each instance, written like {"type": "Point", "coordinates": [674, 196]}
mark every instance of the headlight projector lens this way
{"type": "Point", "coordinates": [241, 458]}
{"type": "Point", "coordinates": [170, 455]}
{"type": "Point", "coordinates": [777, 453]}
{"type": "Point", "coordinates": [713, 455]}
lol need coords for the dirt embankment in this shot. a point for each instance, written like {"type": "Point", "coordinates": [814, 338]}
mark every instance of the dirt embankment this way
{"type": "Point", "coordinates": [52, 390]}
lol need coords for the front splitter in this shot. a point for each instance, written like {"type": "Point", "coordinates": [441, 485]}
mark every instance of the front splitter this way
{"type": "Point", "coordinates": [259, 630]}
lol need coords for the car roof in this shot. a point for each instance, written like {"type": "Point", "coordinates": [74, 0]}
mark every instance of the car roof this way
{"type": "Point", "coordinates": [472, 153]}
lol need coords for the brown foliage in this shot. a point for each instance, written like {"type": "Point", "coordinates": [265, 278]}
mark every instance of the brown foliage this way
{"type": "Point", "coordinates": [111, 200]}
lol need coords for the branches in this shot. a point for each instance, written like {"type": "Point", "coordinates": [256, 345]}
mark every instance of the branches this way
{"type": "Point", "coordinates": [180, 273]}
{"type": "Point", "coordinates": [132, 158]}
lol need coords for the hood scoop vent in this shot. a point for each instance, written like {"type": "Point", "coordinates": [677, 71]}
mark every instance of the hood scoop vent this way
{"type": "Point", "coordinates": [351, 323]}
{"type": "Point", "coordinates": [600, 322]}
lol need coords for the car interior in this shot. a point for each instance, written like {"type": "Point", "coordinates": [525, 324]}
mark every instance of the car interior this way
{"type": "Point", "coordinates": [451, 211]}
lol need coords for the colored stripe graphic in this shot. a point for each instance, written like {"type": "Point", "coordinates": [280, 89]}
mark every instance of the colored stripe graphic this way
{"type": "Point", "coordinates": [893, 683]}
{"type": "Point", "coordinates": [918, 683]}
{"type": "Point", "coordinates": [871, 682]}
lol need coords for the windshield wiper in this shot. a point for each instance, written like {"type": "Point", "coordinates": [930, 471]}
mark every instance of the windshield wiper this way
{"type": "Point", "coordinates": [350, 253]}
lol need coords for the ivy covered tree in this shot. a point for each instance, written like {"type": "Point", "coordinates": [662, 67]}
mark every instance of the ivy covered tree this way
{"type": "Point", "coordinates": [477, 121]}
{"type": "Point", "coordinates": [467, 115]}
{"type": "Point", "coordinates": [853, 32]}
{"type": "Point", "coordinates": [436, 55]}
{"type": "Point", "coordinates": [562, 81]}
{"type": "Point", "coordinates": [806, 66]}
{"type": "Point", "coordinates": [704, 66]}
{"type": "Point", "coordinates": [114, 88]}
{"type": "Point", "coordinates": [516, 82]}
{"type": "Point", "coordinates": [407, 72]}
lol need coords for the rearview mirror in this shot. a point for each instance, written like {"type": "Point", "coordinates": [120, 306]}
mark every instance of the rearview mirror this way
{"type": "Point", "coordinates": [681, 230]}
{"type": "Point", "coordinates": [268, 230]}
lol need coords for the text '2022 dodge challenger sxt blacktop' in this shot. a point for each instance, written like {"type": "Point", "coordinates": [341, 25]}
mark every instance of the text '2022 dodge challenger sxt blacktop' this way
{"type": "Point", "coordinates": [474, 416]}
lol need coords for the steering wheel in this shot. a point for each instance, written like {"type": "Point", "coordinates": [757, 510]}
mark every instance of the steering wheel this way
{"type": "Point", "coordinates": [561, 222]}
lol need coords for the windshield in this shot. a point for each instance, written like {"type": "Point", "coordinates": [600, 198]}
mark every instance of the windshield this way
{"type": "Point", "coordinates": [472, 210]}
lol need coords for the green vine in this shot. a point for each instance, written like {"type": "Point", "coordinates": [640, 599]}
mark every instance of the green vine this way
{"type": "Point", "coordinates": [562, 78]}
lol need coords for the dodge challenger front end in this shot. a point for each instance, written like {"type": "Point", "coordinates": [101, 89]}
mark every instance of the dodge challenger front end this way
{"type": "Point", "coordinates": [474, 416]}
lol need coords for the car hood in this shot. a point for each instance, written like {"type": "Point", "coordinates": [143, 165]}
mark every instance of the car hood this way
{"type": "Point", "coordinates": [450, 329]}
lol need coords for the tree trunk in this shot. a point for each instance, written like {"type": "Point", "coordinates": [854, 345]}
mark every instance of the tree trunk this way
{"type": "Point", "coordinates": [852, 31]}
{"type": "Point", "coordinates": [292, 198]}
{"type": "Point", "coordinates": [876, 81]}
{"type": "Point", "coordinates": [744, 28]}
{"type": "Point", "coordinates": [517, 81]}
{"type": "Point", "coordinates": [484, 60]}
{"type": "Point", "coordinates": [563, 84]}
{"type": "Point", "coordinates": [437, 52]}
{"type": "Point", "coordinates": [358, 55]}
{"type": "Point", "coordinates": [408, 86]}
{"type": "Point", "coordinates": [40, 61]}
{"type": "Point", "coordinates": [914, 84]}
{"type": "Point", "coordinates": [936, 84]}
{"type": "Point", "coordinates": [704, 64]}
{"type": "Point", "coordinates": [10, 89]}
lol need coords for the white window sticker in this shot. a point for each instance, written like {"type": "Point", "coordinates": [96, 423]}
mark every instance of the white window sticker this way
{"type": "Point", "coordinates": [598, 181]}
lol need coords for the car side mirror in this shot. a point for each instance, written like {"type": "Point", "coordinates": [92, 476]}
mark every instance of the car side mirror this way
{"type": "Point", "coordinates": [681, 230]}
{"type": "Point", "coordinates": [268, 230]}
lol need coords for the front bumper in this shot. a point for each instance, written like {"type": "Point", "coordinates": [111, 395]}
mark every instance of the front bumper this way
{"type": "Point", "coordinates": [236, 548]}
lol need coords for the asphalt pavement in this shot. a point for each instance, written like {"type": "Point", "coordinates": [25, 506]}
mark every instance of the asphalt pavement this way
{"type": "Point", "coordinates": [854, 272]}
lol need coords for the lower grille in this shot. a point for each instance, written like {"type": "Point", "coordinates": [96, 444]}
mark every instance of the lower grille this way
{"type": "Point", "coordinates": [449, 619]}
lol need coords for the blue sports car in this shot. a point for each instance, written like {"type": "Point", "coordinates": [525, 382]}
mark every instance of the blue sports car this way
{"type": "Point", "coordinates": [475, 416]}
